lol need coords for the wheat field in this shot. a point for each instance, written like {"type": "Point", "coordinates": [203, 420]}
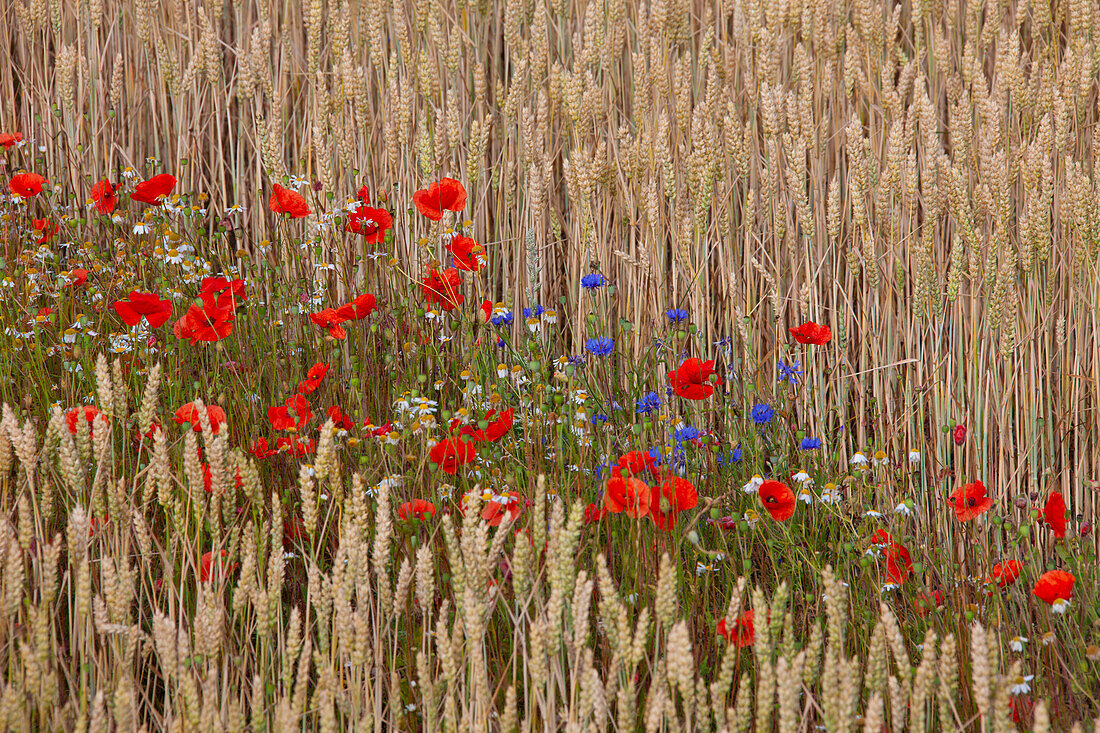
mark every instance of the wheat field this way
{"type": "Point", "coordinates": [921, 176]}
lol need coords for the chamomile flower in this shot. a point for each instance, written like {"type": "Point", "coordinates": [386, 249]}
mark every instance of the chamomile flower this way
{"type": "Point", "coordinates": [805, 496]}
{"type": "Point", "coordinates": [1020, 684]}
{"type": "Point", "coordinates": [753, 485]}
{"type": "Point", "coordinates": [830, 494]}
{"type": "Point", "coordinates": [1061, 605]}
{"type": "Point", "coordinates": [905, 508]}
{"type": "Point", "coordinates": [858, 459]}
{"type": "Point", "coordinates": [752, 518]}
{"type": "Point", "coordinates": [1048, 638]}
{"type": "Point", "coordinates": [914, 457]}
{"type": "Point", "coordinates": [1016, 643]}
{"type": "Point", "coordinates": [880, 458]}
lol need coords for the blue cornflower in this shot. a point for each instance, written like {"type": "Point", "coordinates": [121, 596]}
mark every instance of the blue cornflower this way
{"type": "Point", "coordinates": [732, 457]}
{"type": "Point", "coordinates": [676, 315]}
{"type": "Point", "coordinates": [503, 319]}
{"type": "Point", "coordinates": [762, 414]}
{"type": "Point", "coordinates": [789, 373]}
{"type": "Point", "coordinates": [650, 401]}
{"type": "Point", "coordinates": [593, 281]}
{"type": "Point", "coordinates": [686, 432]}
{"type": "Point", "coordinates": [576, 360]}
{"type": "Point", "coordinates": [811, 443]}
{"type": "Point", "coordinates": [598, 418]}
{"type": "Point", "coordinates": [533, 312]}
{"type": "Point", "coordinates": [600, 346]}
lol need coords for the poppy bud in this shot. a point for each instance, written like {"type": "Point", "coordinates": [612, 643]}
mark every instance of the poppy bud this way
{"type": "Point", "coordinates": [959, 434]}
{"type": "Point", "coordinates": [1086, 529]}
{"type": "Point", "coordinates": [1021, 502]}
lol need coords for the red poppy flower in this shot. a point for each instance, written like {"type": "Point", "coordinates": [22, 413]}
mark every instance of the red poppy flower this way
{"type": "Point", "coordinates": [45, 228]}
{"type": "Point", "coordinates": [88, 412]}
{"type": "Point", "coordinates": [441, 288]}
{"type": "Point", "coordinates": [446, 194]}
{"type": "Point", "coordinates": [363, 194]}
{"type": "Point", "coordinates": [7, 139]}
{"type": "Point", "coordinates": [285, 201]}
{"type": "Point", "coordinates": [778, 499]}
{"type": "Point", "coordinates": [811, 333]}
{"type": "Point", "coordinates": [77, 278]}
{"type": "Point", "coordinates": [103, 196]}
{"type": "Point", "coordinates": [155, 310]}
{"type": "Point", "coordinates": [628, 495]}
{"type": "Point", "coordinates": [330, 320]}
{"type": "Point", "coordinates": [313, 378]}
{"type": "Point", "coordinates": [209, 565]}
{"type": "Point", "coordinates": [189, 413]}
{"type": "Point", "coordinates": [371, 223]}
{"type": "Point", "coordinates": [261, 450]}
{"type": "Point", "coordinates": [639, 464]}
{"type": "Point", "coordinates": [294, 531]}
{"type": "Point", "coordinates": [927, 601]}
{"type": "Point", "coordinates": [510, 504]}
{"type": "Point", "coordinates": [295, 446]}
{"type": "Point", "coordinates": [416, 509]}
{"type": "Point", "coordinates": [741, 633]}
{"type": "Point", "coordinates": [899, 564]}
{"type": "Point", "coordinates": [970, 501]}
{"type": "Point", "coordinates": [339, 420]}
{"type": "Point", "coordinates": [229, 294]}
{"type": "Point", "coordinates": [452, 453]}
{"type": "Point", "coordinates": [468, 254]}
{"type": "Point", "coordinates": [26, 185]}
{"type": "Point", "coordinates": [155, 189]}
{"type": "Point", "coordinates": [1054, 514]}
{"type": "Point", "coordinates": [142, 441]}
{"type": "Point", "coordinates": [692, 380]}
{"type": "Point", "coordinates": [666, 501]}
{"type": "Point", "coordinates": [1005, 573]}
{"type": "Point", "coordinates": [1054, 585]}
{"type": "Point", "coordinates": [208, 481]}
{"type": "Point", "coordinates": [209, 323]}
{"type": "Point", "coordinates": [357, 309]}
{"type": "Point", "coordinates": [485, 312]}
{"type": "Point", "coordinates": [593, 514]}
{"type": "Point", "coordinates": [498, 427]}
{"type": "Point", "coordinates": [291, 415]}
{"type": "Point", "coordinates": [959, 434]}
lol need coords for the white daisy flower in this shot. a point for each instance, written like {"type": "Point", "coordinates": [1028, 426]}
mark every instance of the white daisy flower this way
{"type": "Point", "coordinates": [1020, 684]}
{"type": "Point", "coordinates": [753, 485]}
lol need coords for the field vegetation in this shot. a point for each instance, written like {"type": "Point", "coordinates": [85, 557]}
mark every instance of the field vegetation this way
{"type": "Point", "coordinates": [533, 365]}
